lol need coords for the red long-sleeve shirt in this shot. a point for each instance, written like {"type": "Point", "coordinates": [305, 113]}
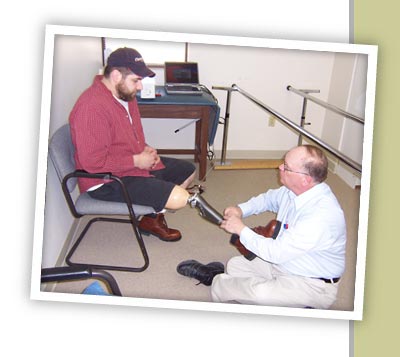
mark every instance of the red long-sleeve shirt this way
{"type": "Point", "coordinates": [103, 136]}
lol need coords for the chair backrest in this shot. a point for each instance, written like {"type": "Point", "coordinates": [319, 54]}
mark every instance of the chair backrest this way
{"type": "Point", "coordinates": [61, 152]}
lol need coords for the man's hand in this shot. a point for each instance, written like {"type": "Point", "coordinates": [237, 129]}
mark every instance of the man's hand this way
{"type": "Point", "coordinates": [232, 222]}
{"type": "Point", "coordinates": [153, 151]}
{"type": "Point", "coordinates": [147, 159]}
{"type": "Point", "coordinates": [233, 211]}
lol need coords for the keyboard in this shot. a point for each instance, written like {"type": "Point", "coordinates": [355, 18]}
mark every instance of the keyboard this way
{"type": "Point", "coordinates": [182, 89]}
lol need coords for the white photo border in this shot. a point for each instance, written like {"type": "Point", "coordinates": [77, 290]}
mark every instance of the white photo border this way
{"type": "Point", "coordinates": [53, 30]}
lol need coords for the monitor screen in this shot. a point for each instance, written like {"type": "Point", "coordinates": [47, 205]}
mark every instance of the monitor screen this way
{"type": "Point", "coordinates": [181, 72]}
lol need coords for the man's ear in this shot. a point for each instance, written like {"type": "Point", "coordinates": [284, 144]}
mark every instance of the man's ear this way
{"type": "Point", "coordinates": [115, 76]}
{"type": "Point", "coordinates": [307, 180]}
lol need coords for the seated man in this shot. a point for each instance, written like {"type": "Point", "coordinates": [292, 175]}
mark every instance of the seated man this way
{"type": "Point", "coordinates": [302, 266]}
{"type": "Point", "coordinates": [108, 136]}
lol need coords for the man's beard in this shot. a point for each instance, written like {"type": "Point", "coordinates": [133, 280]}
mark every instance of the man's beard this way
{"type": "Point", "coordinates": [123, 93]}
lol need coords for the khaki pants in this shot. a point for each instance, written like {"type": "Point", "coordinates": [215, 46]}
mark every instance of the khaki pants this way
{"type": "Point", "coordinates": [258, 282]}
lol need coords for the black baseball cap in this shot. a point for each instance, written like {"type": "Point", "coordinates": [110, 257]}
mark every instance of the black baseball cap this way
{"type": "Point", "coordinates": [130, 58]}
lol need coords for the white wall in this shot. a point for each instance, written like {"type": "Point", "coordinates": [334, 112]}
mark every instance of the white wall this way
{"type": "Point", "coordinates": [341, 79]}
{"type": "Point", "coordinates": [265, 73]}
{"type": "Point", "coordinates": [347, 91]}
{"type": "Point", "coordinates": [353, 132]}
{"type": "Point", "coordinates": [76, 61]}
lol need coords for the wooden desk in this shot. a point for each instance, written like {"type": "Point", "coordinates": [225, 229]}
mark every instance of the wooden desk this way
{"type": "Point", "coordinates": [185, 107]}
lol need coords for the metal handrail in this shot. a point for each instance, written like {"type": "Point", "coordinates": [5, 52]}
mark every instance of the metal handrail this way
{"type": "Point", "coordinates": [353, 164]}
{"type": "Point", "coordinates": [326, 105]}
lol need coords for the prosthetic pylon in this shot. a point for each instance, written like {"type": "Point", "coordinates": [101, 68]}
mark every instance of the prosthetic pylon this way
{"type": "Point", "coordinates": [195, 200]}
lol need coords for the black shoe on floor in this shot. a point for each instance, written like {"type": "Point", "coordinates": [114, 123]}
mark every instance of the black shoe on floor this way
{"type": "Point", "coordinates": [203, 273]}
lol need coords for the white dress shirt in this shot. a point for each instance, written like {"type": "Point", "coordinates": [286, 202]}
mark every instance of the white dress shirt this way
{"type": "Point", "coordinates": [312, 239]}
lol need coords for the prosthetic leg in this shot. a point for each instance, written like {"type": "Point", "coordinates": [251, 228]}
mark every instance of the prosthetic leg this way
{"type": "Point", "coordinates": [204, 273]}
{"type": "Point", "coordinates": [195, 200]}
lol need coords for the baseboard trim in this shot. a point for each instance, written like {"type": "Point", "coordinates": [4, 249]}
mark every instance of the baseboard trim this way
{"type": "Point", "coordinates": [251, 154]}
{"type": "Point", "coordinates": [248, 164]}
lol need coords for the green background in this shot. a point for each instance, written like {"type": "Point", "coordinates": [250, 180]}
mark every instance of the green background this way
{"type": "Point", "coordinates": [377, 23]}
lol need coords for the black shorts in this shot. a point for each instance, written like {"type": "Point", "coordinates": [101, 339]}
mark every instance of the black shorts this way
{"type": "Point", "coordinates": [148, 191]}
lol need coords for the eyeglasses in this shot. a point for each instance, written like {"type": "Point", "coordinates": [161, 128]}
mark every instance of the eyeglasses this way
{"type": "Point", "coordinates": [286, 168]}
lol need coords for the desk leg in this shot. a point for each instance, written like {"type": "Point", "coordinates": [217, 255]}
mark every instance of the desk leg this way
{"type": "Point", "coordinates": [201, 142]}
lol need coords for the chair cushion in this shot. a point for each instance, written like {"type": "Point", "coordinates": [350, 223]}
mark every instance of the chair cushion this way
{"type": "Point", "coordinates": [88, 205]}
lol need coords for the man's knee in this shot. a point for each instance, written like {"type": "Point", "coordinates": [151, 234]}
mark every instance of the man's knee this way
{"type": "Point", "coordinates": [235, 264]}
{"type": "Point", "coordinates": [178, 198]}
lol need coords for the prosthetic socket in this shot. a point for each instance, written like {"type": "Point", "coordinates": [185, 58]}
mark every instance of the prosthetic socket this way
{"type": "Point", "coordinates": [271, 230]}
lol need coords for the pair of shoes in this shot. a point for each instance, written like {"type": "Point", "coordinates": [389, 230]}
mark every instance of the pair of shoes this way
{"type": "Point", "coordinates": [203, 273]}
{"type": "Point", "coordinates": [205, 209]}
{"type": "Point", "coordinates": [157, 226]}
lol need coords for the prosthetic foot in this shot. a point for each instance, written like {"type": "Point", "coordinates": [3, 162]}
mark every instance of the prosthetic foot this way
{"type": "Point", "coordinates": [196, 189]}
{"type": "Point", "coordinates": [205, 210]}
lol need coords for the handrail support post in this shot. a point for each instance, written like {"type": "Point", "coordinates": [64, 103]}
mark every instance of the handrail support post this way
{"type": "Point", "coordinates": [303, 112]}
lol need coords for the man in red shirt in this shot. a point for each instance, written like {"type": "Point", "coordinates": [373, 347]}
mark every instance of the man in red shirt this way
{"type": "Point", "coordinates": [108, 136]}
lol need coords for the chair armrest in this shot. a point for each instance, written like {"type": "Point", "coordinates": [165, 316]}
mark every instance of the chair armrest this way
{"type": "Point", "coordinates": [100, 175]}
{"type": "Point", "coordinates": [77, 273]}
{"type": "Point", "coordinates": [85, 174]}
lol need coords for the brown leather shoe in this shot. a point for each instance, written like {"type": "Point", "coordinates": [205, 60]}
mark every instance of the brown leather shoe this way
{"type": "Point", "coordinates": [157, 226]}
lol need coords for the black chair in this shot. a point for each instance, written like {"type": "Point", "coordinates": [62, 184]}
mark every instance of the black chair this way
{"type": "Point", "coordinates": [60, 274]}
{"type": "Point", "coordinates": [61, 153]}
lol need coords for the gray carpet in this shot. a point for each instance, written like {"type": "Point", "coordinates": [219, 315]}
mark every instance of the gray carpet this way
{"type": "Point", "coordinates": [202, 241]}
